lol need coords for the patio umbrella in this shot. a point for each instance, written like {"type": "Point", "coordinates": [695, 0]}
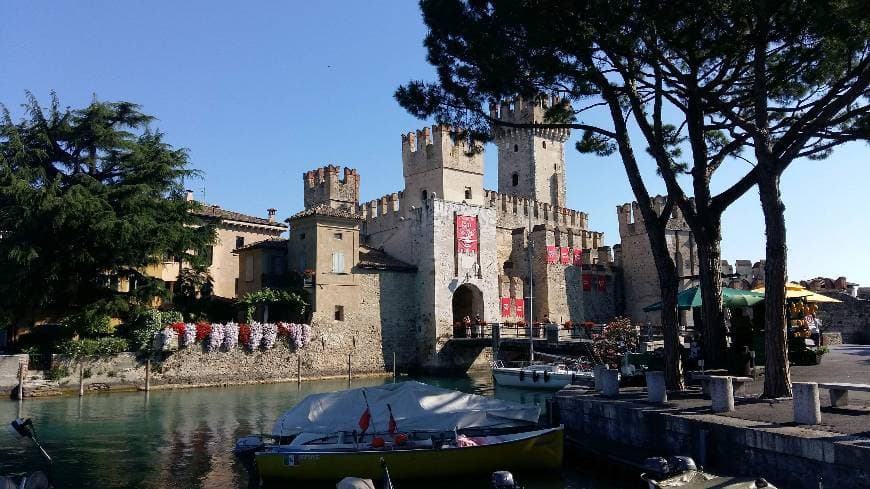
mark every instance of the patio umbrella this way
{"type": "Point", "coordinates": [691, 298]}
{"type": "Point", "coordinates": [797, 291]}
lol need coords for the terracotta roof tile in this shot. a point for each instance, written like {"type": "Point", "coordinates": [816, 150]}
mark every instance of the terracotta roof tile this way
{"type": "Point", "coordinates": [271, 244]}
{"type": "Point", "coordinates": [325, 211]}
{"type": "Point", "coordinates": [213, 211]}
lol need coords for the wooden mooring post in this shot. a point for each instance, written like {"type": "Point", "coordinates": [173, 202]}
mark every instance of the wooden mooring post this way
{"type": "Point", "coordinates": [81, 379]}
{"type": "Point", "coordinates": [298, 370]}
{"type": "Point", "coordinates": [348, 369]}
{"type": "Point", "coordinates": [147, 375]}
{"type": "Point", "coordinates": [22, 369]}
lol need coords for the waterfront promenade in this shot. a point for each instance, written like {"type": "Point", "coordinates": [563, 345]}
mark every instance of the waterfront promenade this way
{"type": "Point", "coordinates": [759, 438]}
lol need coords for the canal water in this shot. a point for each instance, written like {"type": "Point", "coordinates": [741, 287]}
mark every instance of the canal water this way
{"type": "Point", "coordinates": [184, 438]}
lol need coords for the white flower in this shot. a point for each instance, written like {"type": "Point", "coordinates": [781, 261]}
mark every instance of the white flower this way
{"type": "Point", "coordinates": [256, 335]}
{"type": "Point", "coordinates": [270, 333]}
{"type": "Point", "coordinates": [189, 334]}
{"type": "Point", "coordinates": [216, 339]}
{"type": "Point", "coordinates": [231, 336]}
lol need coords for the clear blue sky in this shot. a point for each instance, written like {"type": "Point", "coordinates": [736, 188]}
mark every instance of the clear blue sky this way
{"type": "Point", "coordinates": [261, 91]}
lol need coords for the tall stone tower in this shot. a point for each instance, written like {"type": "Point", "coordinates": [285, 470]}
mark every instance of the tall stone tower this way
{"type": "Point", "coordinates": [531, 161]}
{"type": "Point", "coordinates": [323, 187]}
{"type": "Point", "coordinates": [435, 162]}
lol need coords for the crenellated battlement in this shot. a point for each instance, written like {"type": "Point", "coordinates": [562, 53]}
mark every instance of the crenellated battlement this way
{"type": "Point", "coordinates": [439, 147]}
{"type": "Point", "coordinates": [521, 111]}
{"type": "Point", "coordinates": [324, 186]}
{"type": "Point", "coordinates": [382, 214]}
{"type": "Point", "coordinates": [631, 221]}
{"type": "Point", "coordinates": [513, 212]}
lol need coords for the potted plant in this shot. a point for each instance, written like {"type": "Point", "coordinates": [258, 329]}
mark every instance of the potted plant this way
{"type": "Point", "coordinates": [536, 329]}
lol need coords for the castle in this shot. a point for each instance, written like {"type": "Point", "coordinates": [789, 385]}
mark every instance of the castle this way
{"type": "Point", "coordinates": [399, 271]}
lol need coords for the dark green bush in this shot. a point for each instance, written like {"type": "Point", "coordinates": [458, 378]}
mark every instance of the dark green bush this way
{"type": "Point", "coordinates": [57, 373]}
{"type": "Point", "coordinates": [88, 347]}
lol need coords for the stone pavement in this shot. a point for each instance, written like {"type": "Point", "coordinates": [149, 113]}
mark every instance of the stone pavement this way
{"type": "Point", "coordinates": [844, 363]}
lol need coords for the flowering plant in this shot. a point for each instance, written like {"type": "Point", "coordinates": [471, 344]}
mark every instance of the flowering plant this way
{"type": "Point", "coordinates": [231, 336]}
{"type": "Point", "coordinates": [256, 336]}
{"type": "Point", "coordinates": [216, 338]}
{"type": "Point", "coordinates": [164, 339]}
{"type": "Point", "coordinates": [283, 329]}
{"type": "Point", "coordinates": [617, 338]}
{"type": "Point", "coordinates": [270, 333]}
{"type": "Point", "coordinates": [203, 330]}
{"type": "Point", "coordinates": [245, 334]}
{"type": "Point", "coordinates": [188, 336]}
{"type": "Point", "coordinates": [178, 328]}
{"type": "Point", "coordinates": [306, 335]}
{"type": "Point", "coordinates": [568, 324]}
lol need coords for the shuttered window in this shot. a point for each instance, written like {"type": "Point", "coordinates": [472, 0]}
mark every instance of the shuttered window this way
{"type": "Point", "coordinates": [249, 268]}
{"type": "Point", "coordinates": [337, 262]}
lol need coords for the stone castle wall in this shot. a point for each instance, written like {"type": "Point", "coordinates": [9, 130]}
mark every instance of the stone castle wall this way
{"type": "Point", "coordinates": [850, 317]}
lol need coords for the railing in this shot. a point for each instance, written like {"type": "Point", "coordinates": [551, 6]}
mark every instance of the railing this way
{"type": "Point", "coordinates": [517, 331]}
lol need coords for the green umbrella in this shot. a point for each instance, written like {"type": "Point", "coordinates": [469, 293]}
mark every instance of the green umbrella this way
{"type": "Point", "coordinates": [691, 298]}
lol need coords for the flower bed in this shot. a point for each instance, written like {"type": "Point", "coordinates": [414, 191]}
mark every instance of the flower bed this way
{"type": "Point", "coordinates": [217, 337]}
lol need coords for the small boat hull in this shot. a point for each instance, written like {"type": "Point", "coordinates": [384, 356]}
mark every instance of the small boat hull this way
{"type": "Point", "coordinates": [539, 450]}
{"type": "Point", "coordinates": [515, 377]}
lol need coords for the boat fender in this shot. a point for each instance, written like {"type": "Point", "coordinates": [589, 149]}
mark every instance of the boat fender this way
{"type": "Point", "coordinates": [522, 375]}
{"type": "Point", "coordinates": [378, 442]}
{"type": "Point", "coordinates": [546, 376]}
{"type": "Point", "coordinates": [535, 376]}
{"type": "Point", "coordinates": [400, 439]}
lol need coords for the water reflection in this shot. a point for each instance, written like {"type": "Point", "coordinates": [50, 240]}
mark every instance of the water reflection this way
{"type": "Point", "coordinates": [184, 438]}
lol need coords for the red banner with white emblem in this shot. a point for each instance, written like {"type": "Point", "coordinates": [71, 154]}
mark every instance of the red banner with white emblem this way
{"type": "Point", "coordinates": [587, 282]}
{"type": "Point", "coordinates": [505, 307]}
{"type": "Point", "coordinates": [466, 234]}
{"type": "Point", "coordinates": [565, 255]}
{"type": "Point", "coordinates": [520, 308]}
{"type": "Point", "coordinates": [578, 257]}
{"type": "Point", "coordinates": [602, 283]}
{"type": "Point", "coordinates": [552, 254]}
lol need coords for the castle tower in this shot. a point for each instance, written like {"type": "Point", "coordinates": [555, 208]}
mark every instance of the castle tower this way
{"type": "Point", "coordinates": [531, 161]}
{"type": "Point", "coordinates": [323, 187]}
{"type": "Point", "coordinates": [436, 162]}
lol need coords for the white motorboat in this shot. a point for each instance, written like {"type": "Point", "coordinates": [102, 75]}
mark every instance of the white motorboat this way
{"type": "Point", "coordinates": [542, 376]}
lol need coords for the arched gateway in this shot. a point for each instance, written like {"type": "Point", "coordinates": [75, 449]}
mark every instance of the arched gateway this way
{"type": "Point", "coordinates": [467, 301]}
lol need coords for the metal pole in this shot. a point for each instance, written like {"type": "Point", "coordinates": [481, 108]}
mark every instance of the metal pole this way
{"type": "Point", "coordinates": [147, 375]}
{"type": "Point", "coordinates": [395, 372]}
{"type": "Point", "coordinates": [348, 369]}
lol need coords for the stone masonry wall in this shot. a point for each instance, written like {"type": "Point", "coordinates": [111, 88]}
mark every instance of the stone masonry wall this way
{"type": "Point", "coordinates": [851, 318]}
{"type": "Point", "coordinates": [9, 369]}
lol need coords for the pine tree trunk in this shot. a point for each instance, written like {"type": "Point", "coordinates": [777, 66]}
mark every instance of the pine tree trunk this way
{"type": "Point", "coordinates": [777, 380]}
{"type": "Point", "coordinates": [669, 283]}
{"type": "Point", "coordinates": [710, 268]}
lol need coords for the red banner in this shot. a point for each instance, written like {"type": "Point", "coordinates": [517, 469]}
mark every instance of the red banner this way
{"type": "Point", "coordinates": [466, 234]}
{"type": "Point", "coordinates": [578, 257]}
{"type": "Point", "coordinates": [505, 307]}
{"type": "Point", "coordinates": [602, 283]}
{"type": "Point", "coordinates": [565, 255]}
{"type": "Point", "coordinates": [552, 254]}
{"type": "Point", "coordinates": [587, 282]}
{"type": "Point", "coordinates": [520, 307]}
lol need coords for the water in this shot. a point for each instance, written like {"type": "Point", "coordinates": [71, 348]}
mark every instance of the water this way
{"type": "Point", "coordinates": [184, 438]}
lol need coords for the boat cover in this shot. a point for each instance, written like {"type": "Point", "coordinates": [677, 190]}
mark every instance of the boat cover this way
{"type": "Point", "coordinates": [416, 406]}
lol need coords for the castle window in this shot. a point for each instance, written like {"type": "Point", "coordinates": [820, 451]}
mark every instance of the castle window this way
{"type": "Point", "coordinates": [338, 262]}
{"type": "Point", "coordinates": [301, 235]}
{"type": "Point", "coordinates": [515, 179]}
{"type": "Point", "coordinates": [339, 313]}
{"type": "Point", "coordinates": [544, 144]}
{"type": "Point", "coordinates": [424, 196]}
{"type": "Point", "coordinates": [516, 148]}
{"type": "Point", "coordinates": [468, 193]}
{"type": "Point", "coordinates": [337, 236]}
{"type": "Point", "coordinates": [240, 241]}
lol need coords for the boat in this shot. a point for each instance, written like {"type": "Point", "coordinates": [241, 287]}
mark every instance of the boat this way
{"type": "Point", "coordinates": [665, 473]}
{"type": "Point", "coordinates": [540, 376]}
{"type": "Point", "coordinates": [32, 480]}
{"type": "Point", "coordinates": [424, 432]}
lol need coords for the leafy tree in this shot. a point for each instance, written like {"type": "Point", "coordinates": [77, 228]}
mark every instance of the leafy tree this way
{"type": "Point", "coordinates": [88, 198]}
{"type": "Point", "coordinates": [294, 300]}
{"type": "Point", "coordinates": [675, 69]}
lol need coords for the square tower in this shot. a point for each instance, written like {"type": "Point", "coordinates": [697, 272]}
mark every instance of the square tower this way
{"type": "Point", "coordinates": [324, 188]}
{"type": "Point", "coordinates": [437, 162]}
{"type": "Point", "coordinates": [531, 160]}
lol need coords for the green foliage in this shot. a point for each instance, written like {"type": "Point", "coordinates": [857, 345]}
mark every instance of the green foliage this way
{"type": "Point", "coordinates": [89, 347]}
{"type": "Point", "coordinates": [140, 332]}
{"type": "Point", "coordinates": [88, 198]}
{"type": "Point", "coordinates": [294, 300]}
{"type": "Point", "coordinates": [57, 373]}
{"type": "Point", "coordinates": [88, 323]}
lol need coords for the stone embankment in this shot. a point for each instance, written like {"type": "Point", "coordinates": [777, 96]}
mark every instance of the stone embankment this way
{"type": "Point", "coordinates": [801, 457]}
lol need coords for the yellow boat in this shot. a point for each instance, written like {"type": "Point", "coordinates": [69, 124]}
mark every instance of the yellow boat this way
{"type": "Point", "coordinates": [533, 450]}
{"type": "Point", "coordinates": [425, 432]}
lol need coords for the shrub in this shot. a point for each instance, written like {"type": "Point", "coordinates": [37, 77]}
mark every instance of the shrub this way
{"type": "Point", "coordinates": [57, 373]}
{"type": "Point", "coordinates": [89, 322]}
{"type": "Point", "coordinates": [87, 347]}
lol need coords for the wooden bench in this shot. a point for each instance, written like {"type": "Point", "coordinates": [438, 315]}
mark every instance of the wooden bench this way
{"type": "Point", "coordinates": [736, 382]}
{"type": "Point", "coordinates": [840, 392]}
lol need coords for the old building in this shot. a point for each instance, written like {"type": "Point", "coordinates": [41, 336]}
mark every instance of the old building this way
{"type": "Point", "coordinates": [404, 268]}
